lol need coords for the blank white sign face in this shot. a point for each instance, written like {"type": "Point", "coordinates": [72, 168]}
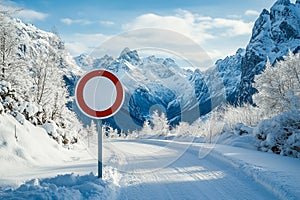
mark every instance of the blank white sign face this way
{"type": "Point", "coordinates": [99, 93]}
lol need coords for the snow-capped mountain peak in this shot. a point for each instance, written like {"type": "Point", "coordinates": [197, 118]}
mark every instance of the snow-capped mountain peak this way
{"type": "Point", "coordinates": [274, 34]}
{"type": "Point", "coordinates": [130, 56]}
{"type": "Point", "coordinates": [84, 61]}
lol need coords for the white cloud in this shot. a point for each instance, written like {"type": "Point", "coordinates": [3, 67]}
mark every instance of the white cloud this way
{"type": "Point", "coordinates": [183, 23]}
{"type": "Point", "coordinates": [234, 16]}
{"type": "Point", "coordinates": [187, 33]}
{"type": "Point", "coordinates": [31, 15]}
{"type": "Point", "coordinates": [251, 12]}
{"type": "Point", "coordinates": [232, 27]}
{"type": "Point", "coordinates": [215, 34]}
{"type": "Point", "coordinates": [78, 43]}
{"type": "Point", "coordinates": [69, 21]}
{"type": "Point", "coordinates": [18, 11]}
{"type": "Point", "coordinates": [107, 23]}
{"type": "Point", "coordinates": [215, 54]}
{"type": "Point", "coordinates": [199, 28]}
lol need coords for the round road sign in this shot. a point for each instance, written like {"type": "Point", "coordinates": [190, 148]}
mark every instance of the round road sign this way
{"type": "Point", "coordinates": [99, 94]}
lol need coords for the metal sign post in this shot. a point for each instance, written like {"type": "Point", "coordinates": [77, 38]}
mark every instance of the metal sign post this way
{"type": "Point", "coordinates": [100, 148]}
{"type": "Point", "coordinates": [105, 100]}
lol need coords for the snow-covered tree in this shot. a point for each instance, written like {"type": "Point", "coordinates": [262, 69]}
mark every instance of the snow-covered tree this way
{"type": "Point", "coordinates": [123, 134]}
{"type": "Point", "coordinates": [49, 89]}
{"type": "Point", "coordinates": [13, 68]}
{"type": "Point", "coordinates": [112, 133]}
{"type": "Point", "coordinates": [279, 86]}
{"type": "Point", "coordinates": [8, 43]}
{"type": "Point", "coordinates": [146, 130]}
{"type": "Point", "coordinates": [160, 123]}
{"type": "Point", "coordinates": [33, 63]}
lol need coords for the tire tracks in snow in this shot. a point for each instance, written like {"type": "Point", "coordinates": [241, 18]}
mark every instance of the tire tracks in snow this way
{"type": "Point", "coordinates": [188, 177]}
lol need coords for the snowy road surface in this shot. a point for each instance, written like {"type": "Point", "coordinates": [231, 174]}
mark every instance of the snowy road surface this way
{"type": "Point", "coordinates": [148, 169]}
{"type": "Point", "coordinates": [154, 169]}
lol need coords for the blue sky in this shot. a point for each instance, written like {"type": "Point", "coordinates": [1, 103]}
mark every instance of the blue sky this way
{"type": "Point", "coordinates": [219, 27]}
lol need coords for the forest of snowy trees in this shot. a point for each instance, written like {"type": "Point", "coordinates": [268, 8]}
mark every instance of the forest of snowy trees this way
{"type": "Point", "coordinates": [31, 79]}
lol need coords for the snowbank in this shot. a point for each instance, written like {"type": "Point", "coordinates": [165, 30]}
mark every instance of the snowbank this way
{"type": "Point", "coordinates": [23, 146]}
{"type": "Point", "coordinates": [67, 186]}
{"type": "Point", "coordinates": [280, 135]}
{"type": "Point", "coordinates": [278, 174]}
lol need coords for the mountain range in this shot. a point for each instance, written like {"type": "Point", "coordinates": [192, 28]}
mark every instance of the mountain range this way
{"type": "Point", "coordinates": [158, 83]}
{"type": "Point", "coordinates": [154, 83]}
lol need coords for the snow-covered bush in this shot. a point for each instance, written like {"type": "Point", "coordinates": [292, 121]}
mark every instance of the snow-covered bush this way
{"type": "Point", "coordinates": [211, 126]}
{"type": "Point", "coordinates": [113, 133]}
{"type": "Point", "coordinates": [280, 134]}
{"type": "Point", "coordinates": [246, 114]}
{"type": "Point", "coordinates": [72, 128]}
{"type": "Point", "coordinates": [5, 87]}
{"type": "Point", "coordinates": [145, 132]}
{"type": "Point", "coordinates": [242, 129]}
{"type": "Point", "coordinates": [183, 129]}
{"type": "Point", "coordinates": [17, 107]}
{"type": "Point", "coordinates": [51, 128]}
{"type": "Point", "coordinates": [30, 109]}
{"type": "Point", "coordinates": [234, 121]}
{"type": "Point", "coordinates": [64, 129]}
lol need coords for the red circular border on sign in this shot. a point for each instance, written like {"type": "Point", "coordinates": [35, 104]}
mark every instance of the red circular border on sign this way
{"type": "Point", "coordinates": [95, 113]}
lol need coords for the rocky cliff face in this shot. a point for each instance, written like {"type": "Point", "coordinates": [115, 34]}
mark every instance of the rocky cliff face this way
{"type": "Point", "coordinates": [274, 34]}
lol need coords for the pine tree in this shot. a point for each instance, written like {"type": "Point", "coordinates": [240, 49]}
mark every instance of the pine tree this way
{"type": "Point", "coordinates": [160, 124]}
{"type": "Point", "coordinates": [146, 130]}
{"type": "Point", "coordinates": [164, 124]}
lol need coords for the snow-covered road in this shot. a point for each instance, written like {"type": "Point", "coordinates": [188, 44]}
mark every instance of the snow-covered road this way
{"type": "Point", "coordinates": [158, 169]}
{"type": "Point", "coordinates": [154, 169]}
